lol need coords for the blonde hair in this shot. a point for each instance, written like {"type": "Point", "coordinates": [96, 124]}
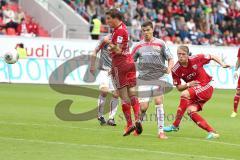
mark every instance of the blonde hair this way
{"type": "Point", "coordinates": [184, 48]}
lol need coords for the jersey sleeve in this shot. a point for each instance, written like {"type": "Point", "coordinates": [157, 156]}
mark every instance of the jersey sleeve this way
{"type": "Point", "coordinates": [136, 56]}
{"type": "Point", "coordinates": [135, 53]}
{"type": "Point", "coordinates": [176, 79]}
{"type": "Point", "coordinates": [203, 58]}
{"type": "Point", "coordinates": [166, 52]}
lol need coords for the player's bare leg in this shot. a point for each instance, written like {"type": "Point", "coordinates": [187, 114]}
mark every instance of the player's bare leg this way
{"type": "Point", "coordinates": [136, 108]}
{"type": "Point", "coordinates": [160, 116]}
{"type": "Point", "coordinates": [113, 108]}
{"type": "Point", "coordinates": [126, 108]}
{"type": "Point", "coordinates": [202, 123]}
{"type": "Point", "coordinates": [235, 104]}
{"type": "Point", "coordinates": [101, 103]}
{"type": "Point", "coordinates": [143, 109]}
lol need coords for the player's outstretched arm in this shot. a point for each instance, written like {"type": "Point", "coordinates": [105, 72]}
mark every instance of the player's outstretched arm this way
{"type": "Point", "coordinates": [219, 61]}
{"type": "Point", "coordinates": [99, 46]}
{"type": "Point", "coordinates": [182, 87]}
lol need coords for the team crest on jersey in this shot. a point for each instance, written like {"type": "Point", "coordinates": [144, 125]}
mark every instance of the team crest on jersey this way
{"type": "Point", "coordinates": [119, 39]}
{"type": "Point", "coordinates": [194, 67]}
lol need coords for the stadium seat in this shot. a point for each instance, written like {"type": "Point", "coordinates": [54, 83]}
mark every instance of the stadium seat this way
{"type": "Point", "coordinates": [42, 32]}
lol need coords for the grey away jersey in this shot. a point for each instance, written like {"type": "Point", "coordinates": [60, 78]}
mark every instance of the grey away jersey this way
{"type": "Point", "coordinates": [105, 61]}
{"type": "Point", "coordinates": [152, 57]}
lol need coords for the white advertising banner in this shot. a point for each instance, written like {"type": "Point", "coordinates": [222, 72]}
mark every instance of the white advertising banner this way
{"type": "Point", "coordinates": [48, 47]}
{"type": "Point", "coordinates": [46, 54]}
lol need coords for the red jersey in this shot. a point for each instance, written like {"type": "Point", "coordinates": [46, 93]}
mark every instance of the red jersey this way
{"type": "Point", "coordinates": [193, 72]}
{"type": "Point", "coordinates": [120, 36]}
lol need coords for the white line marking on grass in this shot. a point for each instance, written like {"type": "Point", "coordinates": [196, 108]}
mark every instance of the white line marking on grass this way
{"type": "Point", "coordinates": [226, 143]}
{"type": "Point", "coordinates": [93, 129]}
{"type": "Point", "coordinates": [52, 125]}
{"type": "Point", "coordinates": [113, 148]}
{"type": "Point", "coordinates": [201, 140]}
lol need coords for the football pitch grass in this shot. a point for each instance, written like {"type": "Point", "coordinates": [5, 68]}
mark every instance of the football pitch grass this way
{"type": "Point", "coordinates": [30, 130]}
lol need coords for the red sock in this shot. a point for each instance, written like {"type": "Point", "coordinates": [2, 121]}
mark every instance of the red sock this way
{"type": "Point", "coordinates": [126, 108]}
{"type": "Point", "coordinates": [236, 100]}
{"type": "Point", "coordinates": [202, 123]}
{"type": "Point", "coordinates": [181, 110]}
{"type": "Point", "coordinates": [136, 107]}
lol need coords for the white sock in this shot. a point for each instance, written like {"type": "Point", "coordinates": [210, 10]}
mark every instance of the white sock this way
{"type": "Point", "coordinates": [101, 103]}
{"type": "Point", "coordinates": [113, 107]}
{"type": "Point", "coordinates": [160, 117]}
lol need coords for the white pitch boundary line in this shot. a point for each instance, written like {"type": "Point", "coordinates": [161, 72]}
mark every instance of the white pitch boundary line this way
{"type": "Point", "coordinates": [92, 129]}
{"type": "Point", "coordinates": [225, 143]}
{"type": "Point", "coordinates": [113, 148]}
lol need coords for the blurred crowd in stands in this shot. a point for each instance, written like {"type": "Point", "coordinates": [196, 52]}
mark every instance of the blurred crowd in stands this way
{"type": "Point", "coordinates": [13, 21]}
{"type": "Point", "coordinates": [199, 22]}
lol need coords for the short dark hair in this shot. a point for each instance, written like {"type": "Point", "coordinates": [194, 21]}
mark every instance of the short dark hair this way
{"type": "Point", "coordinates": [147, 23]}
{"type": "Point", "coordinates": [115, 13]}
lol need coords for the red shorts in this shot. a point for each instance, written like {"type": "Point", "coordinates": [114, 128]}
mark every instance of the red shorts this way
{"type": "Point", "coordinates": [124, 75]}
{"type": "Point", "coordinates": [238, 86]}
{"type": "Point", "coordinates": [200, 95]}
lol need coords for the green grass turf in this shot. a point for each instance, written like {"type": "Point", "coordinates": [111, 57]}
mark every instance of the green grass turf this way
{"type": "Point", "coordinates": [30, 130]}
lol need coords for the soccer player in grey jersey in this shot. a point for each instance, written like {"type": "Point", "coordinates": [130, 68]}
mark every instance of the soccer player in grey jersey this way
{"type": "Point", "coordinates": [151, 54]}
{"type": "Point", "coordinates": [106, 85]}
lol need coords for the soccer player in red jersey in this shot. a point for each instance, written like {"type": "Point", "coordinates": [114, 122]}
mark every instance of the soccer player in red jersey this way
{"type": "Point", "coordinates": [123, 70]}
{"type": "Point", "coordinates": [237, 96]}
{"type": "Point", "coordinates": [197, 90]}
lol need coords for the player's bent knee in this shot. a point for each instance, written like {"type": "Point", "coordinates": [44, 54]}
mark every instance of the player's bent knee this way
{"type": "Point", "coordinates": [191, 109]}
{"type": "Point", "coordinates": [144, 106]}
{"type": "Point", "coordinates": [104, 91]}
{"type": "Point", "coordinates": [158, 100]}
{"type": "Point", "coordinates": [238, 92]}
{"type": "Point", "coordinates": [115, 94]}
{"type": "Point", "coordinates": [132, 91]}
{"type": "Point", "coordinates": [158, 103]}
{"type": "Point", "coordinates": [185, 94]}
{"type": "Point", "coordinates": [124, 97]}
